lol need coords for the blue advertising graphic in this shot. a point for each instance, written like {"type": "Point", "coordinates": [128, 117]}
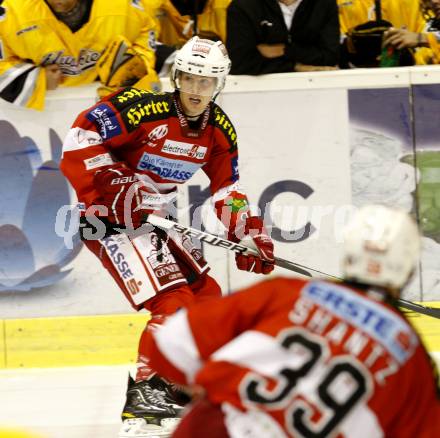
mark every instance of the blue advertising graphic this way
{"type": "Point", "coordinates": [31, 193]}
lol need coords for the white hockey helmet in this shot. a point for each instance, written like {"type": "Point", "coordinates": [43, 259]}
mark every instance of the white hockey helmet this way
{"type": "Point", "coordinates": [204, 58]}
{"type": "Point", "coordinates": [381, 247]}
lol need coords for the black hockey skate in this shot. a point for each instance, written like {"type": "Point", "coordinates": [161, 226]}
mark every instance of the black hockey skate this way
{"type": "Point", "coordinates": [150, 399]}
{"type": "Point", "coordinates": [173, 395]}
{"type": "Point", "coordinates": [150, 411]}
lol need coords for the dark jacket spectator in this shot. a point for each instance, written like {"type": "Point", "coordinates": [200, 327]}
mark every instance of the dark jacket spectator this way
{"type": "Point", "coordinates": [259, 41]}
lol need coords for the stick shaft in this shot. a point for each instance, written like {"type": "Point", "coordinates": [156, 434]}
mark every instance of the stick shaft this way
{"type": "Point", "coordinates": [213, 240]}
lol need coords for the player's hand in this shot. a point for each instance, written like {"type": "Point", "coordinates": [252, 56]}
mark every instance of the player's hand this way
{"type": "Point", "coordinates": [54, 77]}
{"type": "Point", "coordinates": [271, 50]}
{"type": "Point", "coordinates": [265, 263]}
{"type": "Point", "coordinates": [401, 38]}
{"type": "Point", "coordinates": [123, 194]}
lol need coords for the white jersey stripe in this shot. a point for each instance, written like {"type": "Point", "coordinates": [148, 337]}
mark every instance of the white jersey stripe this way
{"type": "Point", "coordinates": [11, 74]}
{"type": "Point", "coordinates": [28, 88]}
{"type": "Point", "coordinates": [251, 423]}
{"type": "Point", "coordinates": [180, 350]}
{"type": "Point", "coordinates": [78, 138]}
{"type": "Point", "coordinates": [361, 422]}
{"type": "Point", "coordinates": [256, 351]}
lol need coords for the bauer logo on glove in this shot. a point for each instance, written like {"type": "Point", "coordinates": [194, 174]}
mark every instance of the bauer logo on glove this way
{"type": "Point", "coordinates": [124, 180]}
{"type": "Point", "coordinates": [121, 193]}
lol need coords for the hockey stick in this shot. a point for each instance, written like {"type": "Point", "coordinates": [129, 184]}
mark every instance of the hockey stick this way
{"type": "Point", "coordinates": [424, 310]}
{"type": "Point", "coordinates": [213, 240]}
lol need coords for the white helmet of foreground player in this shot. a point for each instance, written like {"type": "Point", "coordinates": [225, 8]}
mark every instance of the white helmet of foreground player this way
{"type": "Point", "coordinates": [381, 247]}
{"type": "Point", "coordinates": [205, 59]}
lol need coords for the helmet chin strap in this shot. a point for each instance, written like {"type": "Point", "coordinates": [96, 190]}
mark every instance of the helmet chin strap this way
{"type": "Point", "coordinates": [184, 119]}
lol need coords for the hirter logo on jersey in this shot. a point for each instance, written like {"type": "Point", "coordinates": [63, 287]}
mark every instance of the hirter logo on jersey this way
{"type": "Point", "coordinates": [105, 119]}
{"type": "Point", "coordinates": [189, 150]}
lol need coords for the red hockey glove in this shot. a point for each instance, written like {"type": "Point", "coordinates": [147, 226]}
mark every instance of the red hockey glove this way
{"type": "Point", "coordinates": [264, 264]}
{"type": "Point", "coordinates": [122, 193]}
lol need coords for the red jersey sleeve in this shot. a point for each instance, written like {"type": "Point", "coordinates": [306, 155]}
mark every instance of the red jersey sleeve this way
{"type": "Point", "coordinates": [229, 199]}
{"type": "Point", "coordinates": [416, 410]}
{"type": "Point", "coordinates": [88, 145]}
{"type": "Point", "coordinates": [222, 167]}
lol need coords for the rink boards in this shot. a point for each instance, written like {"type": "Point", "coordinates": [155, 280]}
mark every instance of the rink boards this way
{"type": "Point", "coordinates": [108, 340]}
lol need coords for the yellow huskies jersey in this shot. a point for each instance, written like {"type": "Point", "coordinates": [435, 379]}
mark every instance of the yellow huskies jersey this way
{"type": "Point", "coordinates": [176, 28]}
{"type": "Point", "coordinates": [397, 12]}
{"type": "Point", "coordinates": [31, 37]}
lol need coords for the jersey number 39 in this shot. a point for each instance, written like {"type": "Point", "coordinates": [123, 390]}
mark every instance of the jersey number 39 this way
{"type": "Point", "coordinates": [315, 392]}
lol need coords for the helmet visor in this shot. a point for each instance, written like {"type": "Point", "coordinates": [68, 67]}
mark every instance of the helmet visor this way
{"type": "Point", "coordinates": [195, 84]}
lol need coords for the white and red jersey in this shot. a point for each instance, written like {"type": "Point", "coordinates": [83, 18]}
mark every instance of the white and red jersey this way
{"type": "Point", "coordinates": [148, 132]}
{"type": "Point", "coordinates": [294, 358]}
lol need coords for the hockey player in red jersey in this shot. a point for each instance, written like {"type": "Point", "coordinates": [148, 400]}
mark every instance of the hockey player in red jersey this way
{"type": "Point", "coordinates": [125, 157]}
{"type": "Point", "coordinates": [309, 358]}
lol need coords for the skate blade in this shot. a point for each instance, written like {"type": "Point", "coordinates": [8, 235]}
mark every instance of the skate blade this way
{"type": "Point", "coordinates": [139, 428]}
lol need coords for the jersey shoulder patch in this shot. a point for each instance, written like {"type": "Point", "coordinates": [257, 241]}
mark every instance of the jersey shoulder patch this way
{"type": "Point", "coordinates": [105, 119]}
{"type": "Point", "coordinates": [137, 106]}
{"type": "Point", "coordinates": [221, 121]}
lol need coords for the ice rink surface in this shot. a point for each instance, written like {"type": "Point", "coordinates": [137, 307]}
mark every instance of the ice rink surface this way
{"type": "Point", "coordinates": [80, 402]}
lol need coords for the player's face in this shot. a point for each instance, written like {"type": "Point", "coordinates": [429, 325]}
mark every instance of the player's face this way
{"type": "Point", "coordinates": [62, 5]}
{"type": "Point", "coordinates": [195, 92]}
